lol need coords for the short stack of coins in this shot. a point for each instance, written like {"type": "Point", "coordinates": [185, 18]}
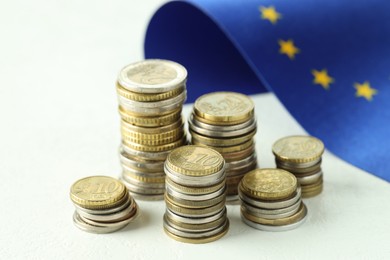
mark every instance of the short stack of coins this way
{"type": "Point", "coordinates": [301, 155]}
{"type": "Point", "coordinates": [271, 200]}
{"type": "Point", "coordinates": [225, 121]}
{"type": "Point", "coordinates": [195, 195]}
{"type": "Point", "coordinates": [103, 204]}
{"type": "Point", "coordinates": [151, 94]}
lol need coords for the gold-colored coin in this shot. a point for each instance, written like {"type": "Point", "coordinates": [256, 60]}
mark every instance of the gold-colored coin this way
{"type": "Point", "coordinates": [137, 131]}
{"type": "Point", "coordinates": [145, 97]}
{"type": "Point", "coordinates": [196, 204]}
{"type": "Point", "coordinates": [202, 240]}
{"type": "Point", "coordinates": [155, 121]}
{"type": "Point", "coordinates": [269, 184]}
{"type": "Point", "coordinates": [234, 180]}
{"type": "Point", "coordinates": [222, 142]}
{"type": "Point", "coordinates": [236, 156]}
{"type": "Point", "coordinates": [312, 193]}
{"type": "Point", "coordinates": [143, 176]}
{"type": "Point", "coordinates": [298, 149]}
{"type": "Point", "coordinates": [219, 123]}
{"type": "Point", "coordinates": [97, 192]}
{"type": "Point", "coordinates": [195, 160]}
{"type": "Point", "coordinates": [276, 222]}
{"type": "Point", "coordinates": [159, 148]}
{"type": "Point", "coordinates": [194, 190]}
{"type": "Point", "coordinates": [224, 107]}
{"type": "Point", "coordinates": [172, 134]}
{"type": "Point", "coordinates": [155, 142]}
{"type": "Point", "coordinates": [227, 149]}
{"type": "Point", "coordinates": [193, 212]}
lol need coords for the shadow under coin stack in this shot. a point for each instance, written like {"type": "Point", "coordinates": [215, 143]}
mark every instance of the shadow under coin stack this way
{"type": "Point", "coordinates": [301, 155]}
{"type": "Point", "coordinates": [195, 195]}
{"type": "Point", "coordinates": [225, 122]}
{"type": "Point", "coordinates": [103, 204]}
{"type": "Point", "coordinates": [151, 94]}
{"type": "Point", "coordinates": [271, 200]}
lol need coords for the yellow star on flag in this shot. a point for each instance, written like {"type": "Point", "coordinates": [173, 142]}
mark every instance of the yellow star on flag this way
{"type": "Point", "coordinates": [288, 48]}
{"type": "Point", "coordinates": [365, 90]}
{"type": "Point", "coordinates": [322, 78]}
{"type": "Point", "coordinates": [270, 14]}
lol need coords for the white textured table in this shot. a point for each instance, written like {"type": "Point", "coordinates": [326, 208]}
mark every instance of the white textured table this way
{"type": "Point", "coordinates": [59, 61]}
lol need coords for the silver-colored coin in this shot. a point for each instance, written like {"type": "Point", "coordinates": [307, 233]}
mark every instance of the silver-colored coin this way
{"type": "Point", "coordinates": [123, 222]}
{"type": "Point", "coordinates": [110, 217]}
{"type": "Point", "coordinates": [293, 165]}
{"type": "Point", "coordinates": [152, 111]}
{"type": "Point", "coordinates": [221, 142]}
{"type": "Point", "coordinates": [79, 223]}
{"type": "Point", "coordinates": [151, 105]}
{"type": "Point", "coordinates": [270, 216]}
{"type": "Point", "coordinates": [222, 133]}
{"type": "Point", "coordinates": [197, 204]}
{"type": "Point", "coordinates": [101, 228]}
{"type": "Point", "coordinates": [130, 161]}
{"type": "Point", "coordinates": [145, 197]}
{"type": "Point", "coordinates": [105, 211]}
{"type": "Point", "coordinates": [226, 128]}
{"type": "Point", "coordinates": [271, 204]}
{"type": "Point", "coordinates": [232, 200]}
{"type": "Point", "coordinates": [176, 232]}
{"type": "Point", "coordinates": [130, 171]}
{"type": "Point", "coordinates": [152, 76]}
{"type": "Point", "coordinates": [242, 170]}
{"type": "Point", "coordinates": [201, 181]}
{"type": "Point", "coordinates": [273, 228]}
{"type": "Point", "coordinates": [195, 220]}
{"type": "Point", "coordinates": [265, 212]}
{"type": "Point", "coordinates": [127, 180]}
{"type": "Point", "coordinates": [144, 190]}
{"type": "Point", "coordinates": [241, 164]}
{"type": "Point", "coordinates": [194, 213]}
{"type": "Point", "coordinates": [158, 156]}
{"type": "Point", "coordinates": [307, 180]}
{"type": "Point", "coordinates": [195, 227]}
{"type": "Point", "coordinates": [199, 197]}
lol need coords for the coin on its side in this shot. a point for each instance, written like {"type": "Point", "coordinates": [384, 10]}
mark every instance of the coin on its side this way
{"type": "Point", "coordinates": [269, 184]}
{"type": "Point", "coordinates": [298, 149]}
{"type": "Point", "coordinates": [193, 160]}
{"type": "Point", "coordinates": [97, 192]}
{"type": "Point", "coordinates": [224, 107]}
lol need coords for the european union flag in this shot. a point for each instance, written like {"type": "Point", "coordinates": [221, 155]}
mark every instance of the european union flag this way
{"type": "Point", "coordinates": [328, 61]}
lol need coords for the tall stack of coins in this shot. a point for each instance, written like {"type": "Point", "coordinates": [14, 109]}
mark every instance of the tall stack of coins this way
{"type": "Point", "coordinates": [195, 195]}
{"type": "Point", "coordinates": [103, 204]}
{"type": "Point", "coordinates": [271, 200]}
{"type": "Point", "coordinates": [301, 155]}
{"type": "Point", "coordinates": [151, 94]}
{"type": "Point", "coordinates": [225, 122]}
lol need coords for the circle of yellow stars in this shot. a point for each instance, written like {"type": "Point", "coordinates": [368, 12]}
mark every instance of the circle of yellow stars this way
{"type": "Point", "coordinates": [320, 77]}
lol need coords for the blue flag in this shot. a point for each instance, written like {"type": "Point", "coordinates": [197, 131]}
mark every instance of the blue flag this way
{"type": "Point", "coordinates": [328, 61]}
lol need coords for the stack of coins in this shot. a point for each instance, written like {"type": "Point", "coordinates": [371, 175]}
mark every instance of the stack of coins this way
{"type": "Point", "coordinates": [271, 200]}
{"type": "Point", "coordinates": [195, 195]}
{"type": "Point", "coordinates": [301, 155]}
{"type": "Point", "coordinates": [225, 122]}
{"type": "Point", "coordinates": [103, 204]}
{"type": "Point", "coordinates": [151, 94]}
